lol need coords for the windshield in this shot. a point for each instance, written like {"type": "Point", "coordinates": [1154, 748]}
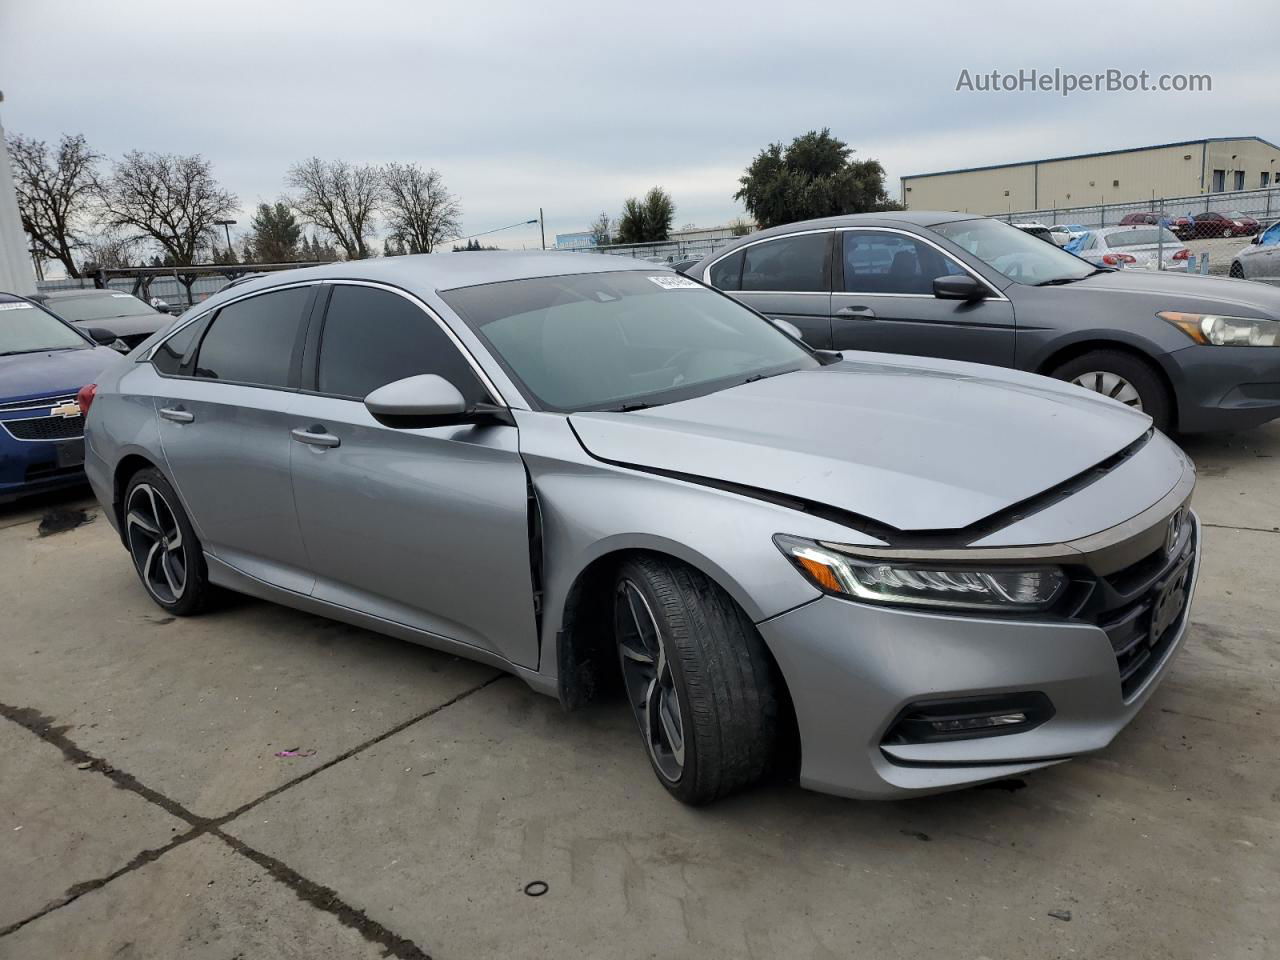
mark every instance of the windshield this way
{"type": "Point", "coordinates": [99, 307]}
{"type": "Point", "coordinates": [600, 341]}
{"type": "Point", "coordinates": [1015, 254]}
{"type": "Point", "coordinates": [25, 328]}
{"type": "Point", "coordinates": [1148, 237]}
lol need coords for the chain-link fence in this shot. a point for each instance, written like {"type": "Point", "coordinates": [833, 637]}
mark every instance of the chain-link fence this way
{"type": "Point", "coordinates": [1213, 227]}
{"type": "Point", "coordinates": [666, 251]}
{"type": "Point", "coordinates": [179, 288]}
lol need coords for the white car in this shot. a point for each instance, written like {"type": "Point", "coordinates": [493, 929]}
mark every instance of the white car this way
{"type": "Point", "coordinates": [1136, 246]}
{"type": "Point", "coordinates": [1064, 233]}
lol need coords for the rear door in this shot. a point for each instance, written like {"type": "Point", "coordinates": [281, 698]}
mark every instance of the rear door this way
{"type": "Point", "coordinates": [883, 301]}
{"type": "Point", "coordinates": [424, 527]}
{"type": "Point", "coordinates": [224, 405]}
{"type": "Point", "coordinates": [785, 278]}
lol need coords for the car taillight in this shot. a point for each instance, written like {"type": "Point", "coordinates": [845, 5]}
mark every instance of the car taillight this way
{"type": "Point", "coordinates": [1116, 259]}
{"type": "Point", "coordinates": [84, 397]}
{"type": "Point", "coordinates": [1182, 254]}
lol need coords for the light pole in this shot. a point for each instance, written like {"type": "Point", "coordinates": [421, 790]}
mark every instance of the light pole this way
{"type": "Point", "coordinates": [226, 225]}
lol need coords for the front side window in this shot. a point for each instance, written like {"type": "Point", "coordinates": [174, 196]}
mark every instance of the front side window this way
{"type": "Point", "coordinates": [599, 341]}
{"type": "Point", "coordinates": [25, 328]}
{"type": "Point", "coordinates": [796, 264]}
{"type": "Point", "coordinates": [892, 263]}
{"type": "Point", "coordinates": [1012, 253]}
{"type": "Point", "coordinates": [1271, 237]}
{"type": "Point", "coordinates": [253, 341]}
{"type": "Point", "coordinates": [374, 337]}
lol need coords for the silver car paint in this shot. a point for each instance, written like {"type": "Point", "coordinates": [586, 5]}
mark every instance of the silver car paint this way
{"type": "Point", "coordinates": [590, 509]}
{"type": "Point", "coordinates": [1260, 260]}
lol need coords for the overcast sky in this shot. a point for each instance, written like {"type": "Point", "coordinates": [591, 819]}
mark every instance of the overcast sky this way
{"type": "Point", "coordinates": [575, 106]}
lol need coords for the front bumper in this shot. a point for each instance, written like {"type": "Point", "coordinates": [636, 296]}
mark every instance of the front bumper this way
{"type": "Point", "coordinates": [852, 668]}
{"type": "Point", "coordinates": [1224, 388]}
{"type": "Point", "coordinates": [28, 468]}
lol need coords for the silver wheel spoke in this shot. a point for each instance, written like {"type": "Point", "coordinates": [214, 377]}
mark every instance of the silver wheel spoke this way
{"type": "Point", "coordinates": [136, 519]}
{"type": "Point", "coordinates": [1110, 385]}
{"type": "Point", "coordinates": [647, 675]}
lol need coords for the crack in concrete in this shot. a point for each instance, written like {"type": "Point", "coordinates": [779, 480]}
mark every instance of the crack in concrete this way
{"type": "Point", "coordinates": [1228, 526]}
{"type": "Point", "coordinates": [315, 894]}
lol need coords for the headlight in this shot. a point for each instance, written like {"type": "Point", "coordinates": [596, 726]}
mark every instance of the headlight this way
{"type": "Point", "coordinates": [1209, 328]}
{"type": "Point", "coordinates": [923, 584]}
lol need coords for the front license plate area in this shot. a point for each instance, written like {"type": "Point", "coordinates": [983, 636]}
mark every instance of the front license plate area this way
{"type": "Point", "coordinates": [71, 454]}
{"type": "Point", "coordinates": [1170, 602]}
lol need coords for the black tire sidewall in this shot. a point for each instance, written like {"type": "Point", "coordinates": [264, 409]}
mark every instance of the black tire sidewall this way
{"type": "Point", "coordinates": [1156, 401]}
{"type": "Point", "coordinates": [196, 591]}
{"type": "Point", "coordinates": [639, 575]}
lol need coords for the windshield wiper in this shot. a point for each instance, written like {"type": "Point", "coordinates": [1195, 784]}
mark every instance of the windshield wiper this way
{"type": "Point", "coordinates": [18, 353]}
{"type": "Point", "coordinates": [1059, 281]}
{"type": "Point", "coordinates": [629, 407]}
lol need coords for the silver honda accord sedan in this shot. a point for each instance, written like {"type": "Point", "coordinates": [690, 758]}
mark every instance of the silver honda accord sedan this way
{"type": "Point", "coordinates": [602, 476]}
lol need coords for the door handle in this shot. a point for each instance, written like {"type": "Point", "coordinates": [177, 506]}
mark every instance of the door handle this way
{"type": "Point", "coordinates": [856, 313]}
{"type": "Point", "coordinates": [315, 435]}
{"type": "Point", "coordinates": [178, 414]}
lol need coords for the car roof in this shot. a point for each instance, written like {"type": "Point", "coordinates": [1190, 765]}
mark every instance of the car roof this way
{"type": "Point", "coordinates": [430, 273]}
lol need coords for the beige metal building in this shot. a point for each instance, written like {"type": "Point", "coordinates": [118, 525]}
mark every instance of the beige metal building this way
{"type": "Point", "coordinates": [1185, 169]}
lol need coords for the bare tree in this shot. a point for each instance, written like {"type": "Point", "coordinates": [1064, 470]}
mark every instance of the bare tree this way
{"type": "Point", "coordinates": [601, 230]}
{"type": "Point", "coordinates": [54, 191]}
{"type": "Point", "coordinates": [109, 249]}
{"type": "Point", "coordinates": [420, 212]}
{"type": "Point", "coordinates": [170, 199]}
{"type": "Point", "coordinates": [340, 198]}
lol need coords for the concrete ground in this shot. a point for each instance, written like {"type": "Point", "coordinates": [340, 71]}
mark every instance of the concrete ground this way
{"type": "Point", "coordinates": [144, 813]}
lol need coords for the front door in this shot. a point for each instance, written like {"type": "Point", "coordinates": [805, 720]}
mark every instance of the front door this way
{"type": "Point", "coordinates": [223, 410]}
{"type": "Point", "coordinates": [883, 301]}
{"type": "Point", "coordinates": [423, 527]}
{"type": "Point", "coordinates": [785, 278]}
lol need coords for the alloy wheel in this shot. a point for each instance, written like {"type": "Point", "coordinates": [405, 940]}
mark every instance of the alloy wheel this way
{"type": "Point", "coordinates": [646, 673]}
{"type": "Point", "coordinates": [1110, 385]}
{"type": "Point", "coordinates": [156, 543]}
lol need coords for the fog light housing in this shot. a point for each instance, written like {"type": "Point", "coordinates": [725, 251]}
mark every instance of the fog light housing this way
{"type": "Point", "coordinates": [966, 718]}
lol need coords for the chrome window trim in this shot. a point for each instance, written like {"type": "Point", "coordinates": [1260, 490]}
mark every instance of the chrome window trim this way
{"type": "Point", "coordinates": [36, 405]}
{"type": "Point", "coordinates": [995, 294]}
{"type": "Point", "coordinates": [706, 273]}
{"type": "Point", "coordinates": [479, 371]}
{"type": "Point", "coordinates": [467, 355]}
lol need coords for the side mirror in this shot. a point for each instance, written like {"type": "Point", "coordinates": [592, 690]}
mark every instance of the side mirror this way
{"type": "Point", "coordinates": [100, 335]}
{"type": "Point", "coordinates": [789, 328]}
{"type": "Point", "coordinates": [428, 400]}
{"type": "Point", "coordinates": [957, 286]}
{"type": "Point", "coordinates": [1257, 238]}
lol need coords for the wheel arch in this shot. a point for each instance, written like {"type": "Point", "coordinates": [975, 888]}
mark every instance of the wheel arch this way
{"type": "Point", "coordinates": [587, 664]}
{"type": "Point", "coordinates": [1078, 348]}
{"type": "Point", "coordinates": [125, 468]}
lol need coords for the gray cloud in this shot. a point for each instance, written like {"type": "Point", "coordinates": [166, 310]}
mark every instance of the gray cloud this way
{"type": "Point", "coordinates": [573, 106]}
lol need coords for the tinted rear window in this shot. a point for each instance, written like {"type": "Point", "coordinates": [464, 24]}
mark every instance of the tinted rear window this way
{"type": "Point", "coordinates": [253, 341]}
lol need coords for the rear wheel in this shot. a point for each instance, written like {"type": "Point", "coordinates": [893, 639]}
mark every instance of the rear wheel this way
{"type": "Point", "coordinates": [1124, 378]}
{"type": "Point", "coordinates": [1228, 233]}
{"type": "Point", "coordinates": [166, 554]}
{"type": "Point", "coordinates": [698, 678]}
{"type": "Point", "coordinates": [1237, 271]}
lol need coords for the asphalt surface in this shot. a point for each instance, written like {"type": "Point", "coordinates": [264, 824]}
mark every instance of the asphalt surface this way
{"type": "Point", "coordinates": [144, 811]}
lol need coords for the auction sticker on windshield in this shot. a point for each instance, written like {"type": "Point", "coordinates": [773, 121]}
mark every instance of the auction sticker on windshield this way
{"type": "Point", "coordinates": [675, 283]}
{"type": "Point", "coordinates": [15, 306]}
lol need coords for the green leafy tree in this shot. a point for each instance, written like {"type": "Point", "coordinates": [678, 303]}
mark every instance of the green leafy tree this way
{"type": "Point", "coordinates": [275, 234]}
{"type": "Point", "coordinates": [815, 176]}
{"type": "Point", "coordinates": [471, 246]}
{"type": "Point", "coordinates": [648, 220]}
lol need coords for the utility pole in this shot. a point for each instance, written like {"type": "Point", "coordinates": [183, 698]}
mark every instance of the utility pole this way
{"type": "Point", "coordinates": [542, 229]}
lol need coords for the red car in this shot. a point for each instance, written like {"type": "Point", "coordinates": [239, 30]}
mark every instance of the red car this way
{"type": "Point", "coordinates": [1213, 224]}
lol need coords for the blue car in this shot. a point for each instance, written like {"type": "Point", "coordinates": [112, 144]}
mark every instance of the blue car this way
{"type": "Point", "coordinates": [44, 362]}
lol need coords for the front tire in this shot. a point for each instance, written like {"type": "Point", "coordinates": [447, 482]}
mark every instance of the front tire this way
{"type": "Point", "coordinates": [1237, 271]}
{"type": "Point", "coordinates": [166, 553]}
{"type": "Point", "coordinates": [698, 678]}
{"type": "Point", "coordinates": [1122, 377]}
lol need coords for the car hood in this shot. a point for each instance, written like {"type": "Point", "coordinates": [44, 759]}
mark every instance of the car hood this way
{"type": "Point", "coordinates": [130, 325]}
{"type": "Point", "coordinates": [53, 373]}
{"type": "Point", "coordinates": [1180, 291]}
{"type": "Point", "coordinates": [917, 445]}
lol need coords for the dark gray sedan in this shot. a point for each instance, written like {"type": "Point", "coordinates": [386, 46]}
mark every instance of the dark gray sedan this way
{"type": "Point", "coordinates": [1195, 353]}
